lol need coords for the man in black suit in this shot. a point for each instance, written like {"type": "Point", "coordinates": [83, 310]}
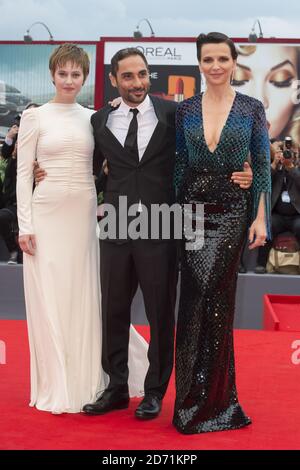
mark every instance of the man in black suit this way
{"type": "Point", "coordinates": [285, 201]}
{"type": "Point", "coordinates": [137, 140]}
{"type": "Point", "coordinates": [8, 200]}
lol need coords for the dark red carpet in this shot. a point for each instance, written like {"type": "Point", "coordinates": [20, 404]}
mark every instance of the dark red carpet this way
{"type": "Point", "coordinates": [268, 384]}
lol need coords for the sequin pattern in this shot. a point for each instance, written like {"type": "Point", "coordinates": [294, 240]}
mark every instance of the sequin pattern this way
{"type": "Point", "coordinates": [206, 396]}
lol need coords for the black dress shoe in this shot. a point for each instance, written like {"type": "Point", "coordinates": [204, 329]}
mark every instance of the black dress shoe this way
{"type": "Point", "coordinates": [260, 269]}
{"type": "Point", "coordinates": [242, 269]}
{"type": "Point", "coordinates": [149, 407]}
{"type": "Point", "coordinates": [110, 400]}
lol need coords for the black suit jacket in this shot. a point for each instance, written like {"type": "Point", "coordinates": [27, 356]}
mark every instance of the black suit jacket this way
{"type": "Point", "coordinates": [293, 186]}
{"type": "Point", "coordinates": [10, 179]}
{"type": "Point", "coordinates": [150, 179]}
{"type": "Point", "coordinates": [7, 150]}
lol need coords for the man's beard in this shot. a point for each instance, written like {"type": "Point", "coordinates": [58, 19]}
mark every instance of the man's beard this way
{"type": "Point", "coordinates": [131, 97]}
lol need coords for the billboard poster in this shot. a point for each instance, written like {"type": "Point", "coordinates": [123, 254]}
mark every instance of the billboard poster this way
{"type": "Point", "coordinates": [25, 77]}
{"type": "Point", "coordinates": [270, 73]}
{"type": "Point", "coordinates": [267, 71]}
{"type": "Point", "coordinates": [173, 67]}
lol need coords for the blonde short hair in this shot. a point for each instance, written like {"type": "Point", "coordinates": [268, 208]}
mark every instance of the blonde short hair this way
{"type": "Point", "coordinates": [69, 52]}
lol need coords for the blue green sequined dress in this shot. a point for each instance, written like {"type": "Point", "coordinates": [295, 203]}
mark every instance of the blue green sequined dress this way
{"type": "Point", "coordinates": [206, 396]}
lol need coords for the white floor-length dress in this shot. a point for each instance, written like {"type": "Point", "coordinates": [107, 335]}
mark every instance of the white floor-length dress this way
{"type": "Point", "coordinates": [62, 281]}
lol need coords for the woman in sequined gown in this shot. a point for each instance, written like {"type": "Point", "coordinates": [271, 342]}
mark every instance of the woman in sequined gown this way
{"type": "Point", "coordinates": [215, 133]}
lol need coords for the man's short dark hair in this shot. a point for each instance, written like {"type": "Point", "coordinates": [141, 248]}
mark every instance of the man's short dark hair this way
{"type": "Point", "coordinates": [123, 54]}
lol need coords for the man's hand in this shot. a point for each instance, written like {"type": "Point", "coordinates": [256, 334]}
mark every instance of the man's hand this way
{"type": "Point", "coordinates": [13, 131]}
{"type": "Point", "coordinates": [27, 244]}
{"type": "Point", "coordinates": [38, 173]}
{"type": "Point", "coordinates": [243, 178]}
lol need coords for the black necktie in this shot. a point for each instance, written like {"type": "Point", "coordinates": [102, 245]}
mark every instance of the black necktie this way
{"type": "Point", "coordinates": [131, 138]}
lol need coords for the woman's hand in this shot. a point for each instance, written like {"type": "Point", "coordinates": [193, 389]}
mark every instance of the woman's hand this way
{"type": "Point", "coordinates": [27, 244]}
{"type": "Point", "coordinates": [115, 102]}
{"type": "Point", "coordinates": [243, 178]}
{"type": "Point", "coordinates": [257, 233]}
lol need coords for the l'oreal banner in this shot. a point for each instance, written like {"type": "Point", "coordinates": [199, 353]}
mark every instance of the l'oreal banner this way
{"type": "Point", "coordinates": [174, 70]}
{"type": "Point", "coordinates": [269, 72]}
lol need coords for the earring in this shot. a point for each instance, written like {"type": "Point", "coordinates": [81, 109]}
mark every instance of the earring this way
{"type": "Point", "coordinates": [202, 80]}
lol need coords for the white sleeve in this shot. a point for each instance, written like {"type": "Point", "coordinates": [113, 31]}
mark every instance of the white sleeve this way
{"type": "Point", "coordinates": [27, 143]}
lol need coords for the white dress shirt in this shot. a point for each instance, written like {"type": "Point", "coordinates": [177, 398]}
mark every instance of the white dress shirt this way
{"type": "Point", "coordinates": [119, 120]}
{"type": "Point", "coordinates": [8, 141]}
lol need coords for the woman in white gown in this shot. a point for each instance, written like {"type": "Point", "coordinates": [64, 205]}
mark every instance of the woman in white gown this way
{"type": "Point", "coordinates": [57, 232]}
